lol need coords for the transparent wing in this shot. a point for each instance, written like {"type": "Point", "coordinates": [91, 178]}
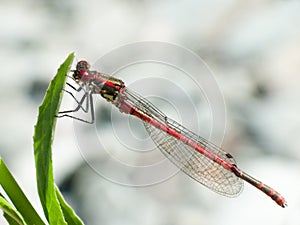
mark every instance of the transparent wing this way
{"type": "Point", "coordinates": [190, 161]}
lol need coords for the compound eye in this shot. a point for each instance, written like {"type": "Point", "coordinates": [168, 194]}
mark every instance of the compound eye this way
{"type": "Point", "coordinates": [82, 65]}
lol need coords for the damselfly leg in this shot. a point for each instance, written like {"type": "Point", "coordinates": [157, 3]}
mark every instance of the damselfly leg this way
{"type": "Point", "coordinates": [89, 106]}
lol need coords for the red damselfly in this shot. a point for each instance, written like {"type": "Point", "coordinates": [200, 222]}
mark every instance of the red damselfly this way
{"type": "Point", "coordinates": [200, 159]}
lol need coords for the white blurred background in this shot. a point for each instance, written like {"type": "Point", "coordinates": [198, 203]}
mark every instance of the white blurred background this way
{"type": "Point", "coordinates": [253, 49]}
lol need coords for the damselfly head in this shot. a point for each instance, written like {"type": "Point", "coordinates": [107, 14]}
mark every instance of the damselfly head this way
{"type": "Point", "coordinates": [82, 65]}
{"type": "Point", "coordinates": [82, 69]}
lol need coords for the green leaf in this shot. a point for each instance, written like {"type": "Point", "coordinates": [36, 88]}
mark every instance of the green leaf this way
{"type": "Point", "coordinates": [43, 136]}
{"type": "Point", "coordinates": [70, 216]}
{"type": "Point", "coordinates": [12, 216]}
{"type": "Point", "coordinates": [17, 196]}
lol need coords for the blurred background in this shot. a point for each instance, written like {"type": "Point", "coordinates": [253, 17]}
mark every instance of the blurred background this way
{"type": "Point", "coordinates": [253, 49]}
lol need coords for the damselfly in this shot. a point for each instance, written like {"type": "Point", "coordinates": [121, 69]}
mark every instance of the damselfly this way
{"type": "Point", "coordinates": [198, 158]}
